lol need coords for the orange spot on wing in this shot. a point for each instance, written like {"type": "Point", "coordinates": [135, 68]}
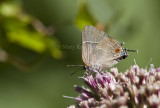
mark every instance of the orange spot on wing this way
{"type": "Point", "coordinates": [85, 64]}
{"type": "Point", "coordinates": [116, 50]}
{"type": "Point", "coordinates": [100, 26]}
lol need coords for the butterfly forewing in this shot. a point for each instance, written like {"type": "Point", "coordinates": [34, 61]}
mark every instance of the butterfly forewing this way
{"type": "Point", "coordinates": [90, 39]}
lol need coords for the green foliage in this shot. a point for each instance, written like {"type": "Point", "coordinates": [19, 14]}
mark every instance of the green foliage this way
{"type": "Point", "coordinates": [84, 17]}
{"type": "Point", "coordinates": [19, 29]}
{"type": "Point", "coordinates": [26, 40]}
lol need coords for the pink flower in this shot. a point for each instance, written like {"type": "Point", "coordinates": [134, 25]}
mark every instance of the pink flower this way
{"type": "Point", "coordinates": [136, 88]}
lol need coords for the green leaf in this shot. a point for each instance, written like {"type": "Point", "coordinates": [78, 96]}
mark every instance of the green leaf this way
{"type": "Point", "coordinates": [83, 17]}
{"type": "Point", "coordinates": [21, 33]}
{"type": "Point", "coordinates": [18, 28]}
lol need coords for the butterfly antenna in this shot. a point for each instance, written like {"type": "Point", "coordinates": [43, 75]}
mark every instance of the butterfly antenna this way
{"type": "Point", "coordinates": [132, 50]}
{"type": "Point", "coordinates": [74, 65]}
{"type": "Point", "coordinates": [75, 71]}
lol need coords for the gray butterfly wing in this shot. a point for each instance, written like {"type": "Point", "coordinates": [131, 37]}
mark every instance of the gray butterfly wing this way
{"type": "Point", "coordinates": [90, 38]}
{"type": "Point", "coordinates": [105, 54]}
{"type": "Point", "coordinates": [98, 49]}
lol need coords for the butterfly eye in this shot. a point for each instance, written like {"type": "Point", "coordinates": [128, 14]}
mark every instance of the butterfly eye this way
{"type": "Point", "coordinates": [116, 50]}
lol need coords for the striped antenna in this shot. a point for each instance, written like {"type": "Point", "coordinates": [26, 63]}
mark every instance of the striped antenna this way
{"type": "Point", "coordinates": [76, 69]}
{"type": "Point", "coordinates": [74, 65]}
{"type": "Point", "coordinates": [132, 50]}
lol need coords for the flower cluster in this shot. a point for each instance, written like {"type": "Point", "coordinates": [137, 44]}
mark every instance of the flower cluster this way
{"type": "Point", "coordinates": [135, 88]}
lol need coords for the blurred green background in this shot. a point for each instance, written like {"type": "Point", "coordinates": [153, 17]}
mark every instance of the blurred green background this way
{"type": "Point", "coordinates": [38, 38]}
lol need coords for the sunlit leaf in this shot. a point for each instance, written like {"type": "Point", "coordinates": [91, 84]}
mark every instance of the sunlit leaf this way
{"type": "Point", "coordinates": [18, 33]}
{"type": "Point", "coordinates": [27, 39]}
{"type": "Point", "coordinates": [19, 29]}
{"type": "Point", "coordinates": [9, 9]}
{"type": "Point", "coordinates": [84, 17]}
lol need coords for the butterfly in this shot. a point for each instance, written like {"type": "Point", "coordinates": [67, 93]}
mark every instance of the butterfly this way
{"type": "Point", "coordinates": [100, 51]}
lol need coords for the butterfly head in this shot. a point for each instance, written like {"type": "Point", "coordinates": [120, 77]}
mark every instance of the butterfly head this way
{"type": "Point", "coordinates": [124, 53]}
